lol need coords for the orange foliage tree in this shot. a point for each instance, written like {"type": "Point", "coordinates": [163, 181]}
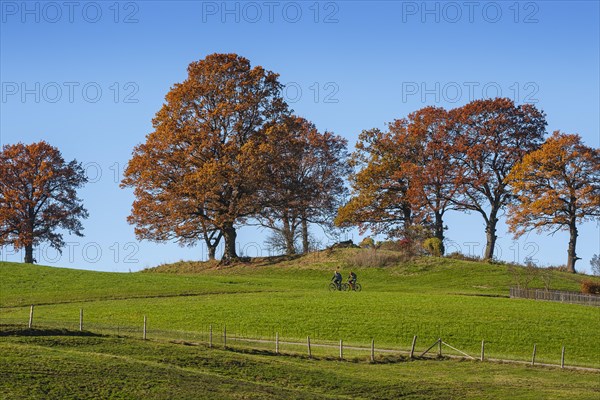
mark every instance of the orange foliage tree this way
{"type": "Point", "coordinates": [378, 199]}
{"type": "Point", "coordinates": [558, 187]}
{"type": "Point", "coordinates": [204, 167]}
{"type": "Point", "coordinates": [38, 196]}
{"type": "Point", "coordinates": [488, 138]}
{"type": "Point", "coordinates": [406, 176]}
{"type": "Point", "coordinates": [306, 182]}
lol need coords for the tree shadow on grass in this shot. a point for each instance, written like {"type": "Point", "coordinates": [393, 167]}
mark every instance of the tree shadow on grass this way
{"type": "Point", "coordinates": [15, 330]}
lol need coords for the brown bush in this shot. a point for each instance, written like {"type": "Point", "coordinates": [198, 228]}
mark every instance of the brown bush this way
{"type": "Point", "coordinates": [559, 268]}
{"type": "Point", "coordinates": [374, 258]}
{"type": "Point", "coordinates": [590, 287]}
{"type": "Point", "coordinates": [390, 245]}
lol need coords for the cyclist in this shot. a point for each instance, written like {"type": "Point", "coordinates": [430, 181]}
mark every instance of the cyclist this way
{"type": "Point", "coordinates": [352, 280]}
{"type": "Point", "coordinates": [337, 278]}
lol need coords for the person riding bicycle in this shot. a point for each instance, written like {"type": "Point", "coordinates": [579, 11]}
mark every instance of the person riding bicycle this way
{"type": "Point", "coordinates": [337, 278]}
{"type": "Point", "coordinates": [352, 279]}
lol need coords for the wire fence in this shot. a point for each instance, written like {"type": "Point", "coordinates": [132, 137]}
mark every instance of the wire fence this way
{"type": "Point", "coordinates": [227, 337]}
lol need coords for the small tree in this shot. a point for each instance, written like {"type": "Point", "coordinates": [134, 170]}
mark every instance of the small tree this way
{"type": "Point", "coordinates": [38, 196]}
{"type": "Point", "coordinates": [595, 263]}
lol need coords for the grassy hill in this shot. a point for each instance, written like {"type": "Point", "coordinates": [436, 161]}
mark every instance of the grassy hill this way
{"type": "Point", "coordinates": [92, 367]}
{"type": "Point", "coordinates": [462, 302]}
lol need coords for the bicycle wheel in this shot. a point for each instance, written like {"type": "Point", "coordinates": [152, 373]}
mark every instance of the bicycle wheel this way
{"type": "Point", "coordinates": [345, 287]}
{"type": "Point", "coordinates": [332, 287]}
{"type": "Point", "coordinates": [357, 287]}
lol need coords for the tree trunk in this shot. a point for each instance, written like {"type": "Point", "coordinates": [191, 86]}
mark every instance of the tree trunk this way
{"type": "Point", "coordinates": [407, 215]}
{"type": "Point", "coordinates": [490, 231]}
{"type": "Point", "coordinates": [212, 251]}
{"type": "Point", "coordinates": [212, 241]}
{"type": "Point", "coordinates": [572, 256]}
{"type": "Point", "coordinates": [288, 236]}
{"type": "Point", "coordinates": [305, 243]}
{"type": "Point", "coordinates": [229, 235]}
{"type": "Point", "coordinates": [29, 254]}
{"type": "Point", "coordinates": [439, 230]}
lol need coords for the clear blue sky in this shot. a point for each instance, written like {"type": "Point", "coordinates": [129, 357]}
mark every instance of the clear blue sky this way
{"type": "Point", "coordinates": [89, 76]}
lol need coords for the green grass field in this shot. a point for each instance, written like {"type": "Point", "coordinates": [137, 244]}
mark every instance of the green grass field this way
{"type": "Point", "coordinates": [67, 367]}
{"type": "Point", "coordinates": [459, 301]}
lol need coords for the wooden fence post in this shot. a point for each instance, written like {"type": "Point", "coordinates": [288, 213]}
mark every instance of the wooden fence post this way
{"type": "Point", "coordinates": [482, 350]}
{"type": "Point", "coordinates": [412, 348]}
{"type": "Point", "coordinates": [341, 349]}
{"type": "Point", "coordinates": [562, 358]}
{"type": "Point", "coordinates": [145, 320]}
{"type": "Point", "coordinates": [308, 344]}
{"type": "Point", "coordinates": [276, 342]}
{"type": "Point", "coordinates": [30, 317]}
{"type": "Point", "coordinates": [372, 350]}
{"type": "Point", "coordinates": [439, 347]}
{"type": "Point", "coordinates": [81, 320]}
{"type": "Point", "coordinates": [225, 336]}
{"type": "Point", "coordinates": [533, 357]}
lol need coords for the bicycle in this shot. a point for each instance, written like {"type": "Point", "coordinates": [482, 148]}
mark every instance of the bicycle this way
{"type": "Point", "coordinates": [356, 287]}
{"type": "Point", "coordinates": [342, 287]}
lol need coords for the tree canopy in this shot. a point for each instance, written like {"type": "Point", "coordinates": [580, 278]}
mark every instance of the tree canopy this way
{"type": "Point", "coordinates": [207, 158]}
{"type": "Point", "coordinates": [306, 182]}
{"type": "Point", "coordinates": [38, 196]}
{"type": "Point", "coordinates": [557, 187]}
{"type": "Point", "coordinates": [488, 138]}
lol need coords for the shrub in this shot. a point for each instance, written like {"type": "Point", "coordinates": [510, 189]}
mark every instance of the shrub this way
{"type": "Point", "coordinates": [590, 287]}
{"type": "Point", "coordinates": [433, 246]}
{"type": "Point", "coordinates": [390, 245]}
{"type": "Point", "coordinates": [374, 258]}
{"type": "Point", "coordinates": [522, 277]}
{"type": "Point", "coordinates": [595, 263]}
{"type": "Point", "coordinates": [367, 243]}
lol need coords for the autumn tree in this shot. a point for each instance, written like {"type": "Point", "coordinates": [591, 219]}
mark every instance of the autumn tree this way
{"type": "Point", "coordinates": [38, 197]}
{"type": "Point", "coordinates": [378, 199]}
{"type": "Point", "coordinates": [424, 143]}
{"type": "Point", "coordinates": [488, 138]}
{"type": "Point", "coordinates": [407, 175]}
{"type": "Point", "coordinates": [209, 151]}
{"type": "Point", "coordinates": [306, 182]}
{"type": "Point", "coordinates": [558, 187]}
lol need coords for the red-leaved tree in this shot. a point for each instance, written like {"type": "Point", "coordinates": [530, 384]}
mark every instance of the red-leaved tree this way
{"type": "Point", "coordinates": [38, 196]}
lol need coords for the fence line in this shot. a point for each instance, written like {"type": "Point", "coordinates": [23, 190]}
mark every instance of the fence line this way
{"type": "Point", "coordinates": [207, 339]}
{"type": "Point", "coordinates": [555, 295]}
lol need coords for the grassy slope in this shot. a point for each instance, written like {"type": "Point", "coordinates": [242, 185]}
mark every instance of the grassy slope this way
{"type": "Point", "coordinates": [428, 297]}
{"type": "Point", "coordinates": [425, 298]}
{"type": "Point", "coordinates": [42, 367]}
